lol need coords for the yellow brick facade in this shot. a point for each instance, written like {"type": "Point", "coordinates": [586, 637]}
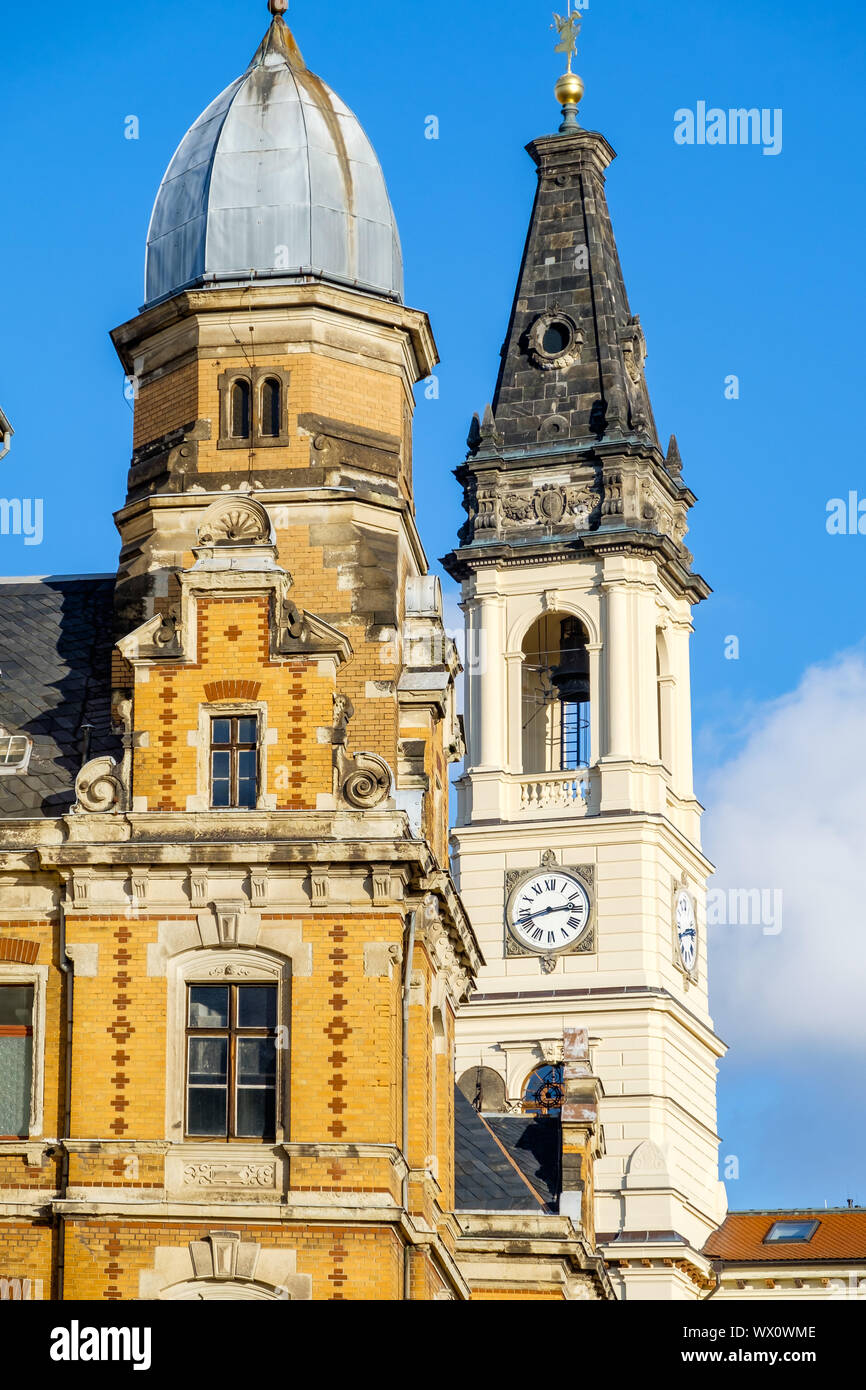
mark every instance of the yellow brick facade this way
{"type": "Point", "coordinates": [293, 588]}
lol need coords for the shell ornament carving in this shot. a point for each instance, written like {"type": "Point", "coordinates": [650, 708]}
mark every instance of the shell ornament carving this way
{"type": "Point", "coordinates": [235, 521]}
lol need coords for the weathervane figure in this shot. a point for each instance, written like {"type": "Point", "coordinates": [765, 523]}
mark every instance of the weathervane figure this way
{"type": "Point", "coordinates": [568, 27]}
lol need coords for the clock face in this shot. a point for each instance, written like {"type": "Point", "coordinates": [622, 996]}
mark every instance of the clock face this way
{"type": "Point", "coordinates": [550, 911]}
{"type": "Point", "coordinates": [687, 929]}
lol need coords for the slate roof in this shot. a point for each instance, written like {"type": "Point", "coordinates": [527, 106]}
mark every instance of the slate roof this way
{"type": "Point", "coordinates": [504, 1162]}
{"type": "Point", "coordinates": [55, 676]}
{"type": "Point", "coordinates": [841, 1235]}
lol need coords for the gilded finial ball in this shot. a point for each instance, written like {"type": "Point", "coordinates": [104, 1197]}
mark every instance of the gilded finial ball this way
{"type": "Point", "coordinates": [278, 6]}
{"type": "Point", "coordinates": [569, 89]}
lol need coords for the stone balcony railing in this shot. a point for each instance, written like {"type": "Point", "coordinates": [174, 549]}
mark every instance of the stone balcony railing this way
{"type": "Point", "coordinates": [551, 793]}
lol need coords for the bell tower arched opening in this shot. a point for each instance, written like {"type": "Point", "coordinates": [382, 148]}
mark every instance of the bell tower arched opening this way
{"type": "Point", "coordinates": [555, 714]}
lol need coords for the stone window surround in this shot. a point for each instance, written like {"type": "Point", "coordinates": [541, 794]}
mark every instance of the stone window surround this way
{"type": "Point", "coordinates": [200, 738]}
{"type": "Point", "coordinates": [255, 377]}
{"type": "Point", "coordinates": [12, 973]}
{"type": "Point", "coordinates": [216, 966]}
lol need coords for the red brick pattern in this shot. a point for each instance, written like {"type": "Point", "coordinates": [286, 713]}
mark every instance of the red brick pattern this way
{"type": "Point", "coordinates": [24, 952]}
{"type": "Point", "coordinates": [231, 690]}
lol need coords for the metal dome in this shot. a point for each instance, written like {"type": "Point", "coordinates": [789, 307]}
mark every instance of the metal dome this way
{"type": "Point", "coordinates": [276, 180]}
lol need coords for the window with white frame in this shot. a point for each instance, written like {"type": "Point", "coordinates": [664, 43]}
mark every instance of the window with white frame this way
{"type": "Point", "coordinates": [16, 1059]}
{"type": "Point", "coordinates": [231, 1061]}
{"type": "Point", "coordinates": [234, 762]}
{"type": "Point", "coordinates": [22, 1049]}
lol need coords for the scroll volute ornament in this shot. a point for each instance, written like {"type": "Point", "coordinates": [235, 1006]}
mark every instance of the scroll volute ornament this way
{"type": "Point", "coordinates": [361, 780]}
{"type": "Point", "coordinates": [102, 785]}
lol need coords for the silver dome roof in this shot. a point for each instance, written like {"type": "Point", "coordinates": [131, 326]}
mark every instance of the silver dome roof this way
{"type": "Point", "coordinates": [276, 180]}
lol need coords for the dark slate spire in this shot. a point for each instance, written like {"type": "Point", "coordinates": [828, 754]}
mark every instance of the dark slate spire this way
{"type": "Point", "coordinates": [567, 458]}
{"type": "Point", "coordinates": [572, 366]}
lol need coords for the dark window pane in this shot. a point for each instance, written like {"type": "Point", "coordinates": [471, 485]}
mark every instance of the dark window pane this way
{"type": "Point", "coordinates": [16, 1006]}
{"type": "Point", "coordinates": [221, 764]}
{"type": "Point", "coordinates": [208, 1006]}
{"type": "Point", "coordinates": [221, 795]}
{"type": "Point", "coordinates": [221, 731]}
{"type": "Point", "coordinates": [247, 763]}
{"type": "Point", "coordinates": [257, 1061]}
{"type": "Point", "coordinates": [256, 1114]}
{"type": "Point", "coordinates": [271, 408]}
{"type": "Point", "coordinates": [247, 731]}
{"type": "Point", "coordinates": [207, 1112]}
{"type": "Point", "coordinates": [247, 793]}
{"type": "Point", "coordinates": [241, 410]}
{"type": "Point", "coordinates": [16, 1059]}
{"type": "Point", "coordinates": [556, 338]}
{"type": "Point", "coordinates": [257, 1006]}
{"type": "Point", "coordinates": [207, 1061]}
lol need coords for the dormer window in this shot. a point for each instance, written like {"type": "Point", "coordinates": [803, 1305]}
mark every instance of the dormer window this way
{"type": "Point", "coordinates": [254, 408]}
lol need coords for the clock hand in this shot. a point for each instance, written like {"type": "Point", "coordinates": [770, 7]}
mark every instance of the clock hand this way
{"type": "Point", "coordinates": [531, 916]}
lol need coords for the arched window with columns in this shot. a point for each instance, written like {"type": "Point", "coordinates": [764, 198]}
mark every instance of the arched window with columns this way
{"type": "Point", "coordinates": [555, 713]}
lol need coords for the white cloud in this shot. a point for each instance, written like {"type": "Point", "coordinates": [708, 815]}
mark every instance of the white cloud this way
{"type": "Point", "coordinates": [788, 812]}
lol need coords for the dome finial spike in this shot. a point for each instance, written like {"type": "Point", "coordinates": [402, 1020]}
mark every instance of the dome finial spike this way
{"type": "Point", "coordinates": [278, 7]}
{"type": "Point", "coordinates": [569, 88]}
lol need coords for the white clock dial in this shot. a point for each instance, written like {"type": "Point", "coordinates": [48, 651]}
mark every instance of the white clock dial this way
{"type": "Point", "coordinates": [687, 929]}
{"type": "Point", "coordinates": [550, 911]}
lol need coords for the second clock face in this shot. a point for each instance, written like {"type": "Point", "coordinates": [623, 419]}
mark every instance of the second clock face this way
{"type": "Point", "coordinates": [550, 911]}
{"type": "Point", "coordinates": [687, 929]}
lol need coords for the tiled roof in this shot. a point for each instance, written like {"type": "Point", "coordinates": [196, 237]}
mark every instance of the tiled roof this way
{"type": "Point", "coordinates": [497, 1167]}
{"type": "Point", "coordinates": [841, 1235]}
{"type": "Point", "coordinates": [534, 1143]}
{"type": "Point", "coordinates": [55, 676]}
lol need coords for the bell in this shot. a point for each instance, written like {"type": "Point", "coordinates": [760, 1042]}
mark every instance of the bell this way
{"type": "Point", "coordinates": [570, 678]}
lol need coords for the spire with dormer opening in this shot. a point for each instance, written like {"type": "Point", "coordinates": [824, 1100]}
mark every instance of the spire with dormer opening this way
{"type": "Point", "coordinates": [568, 450]}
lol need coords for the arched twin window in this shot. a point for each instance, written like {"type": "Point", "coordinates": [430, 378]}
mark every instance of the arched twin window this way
{"type": "Point", "coordinates": [254, 408]}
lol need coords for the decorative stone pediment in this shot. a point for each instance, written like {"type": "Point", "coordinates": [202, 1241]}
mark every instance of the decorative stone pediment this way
{"type": "Point", "coordinates": [647, 1167]}
{"type": "Point", "coordinates": [157, 639]}
{"type": "Point", "coordinates": [300, 633]}
{"type": "Point", "coordinates": [224, 1266]}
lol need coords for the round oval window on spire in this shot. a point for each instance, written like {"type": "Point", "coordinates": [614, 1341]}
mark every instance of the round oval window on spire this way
{"type": "Point", "coordinates": [554, 341]}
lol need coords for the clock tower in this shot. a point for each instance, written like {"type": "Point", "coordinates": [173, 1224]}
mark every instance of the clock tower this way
{"type": "Point", "coordinates": [577, 845]}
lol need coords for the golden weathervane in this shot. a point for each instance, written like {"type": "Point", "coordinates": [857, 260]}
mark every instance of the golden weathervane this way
{"type": "Point", "coordinates": [569, 88]}
{"type": "Point", "coordinates": [568, 28]}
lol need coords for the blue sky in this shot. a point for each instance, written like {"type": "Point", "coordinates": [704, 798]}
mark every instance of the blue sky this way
{"type": "Point", "coordinates": [738, 263]}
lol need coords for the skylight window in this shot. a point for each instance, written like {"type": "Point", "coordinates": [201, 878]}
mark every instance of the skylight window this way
{"type": "Point", "coordinates": [15, 750]}
{"type": "Point", "coordinates": [789, 1232]}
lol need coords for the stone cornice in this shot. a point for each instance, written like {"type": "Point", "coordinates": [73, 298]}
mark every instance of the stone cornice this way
{"type": "Point", "coordinates": [129, 337]}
